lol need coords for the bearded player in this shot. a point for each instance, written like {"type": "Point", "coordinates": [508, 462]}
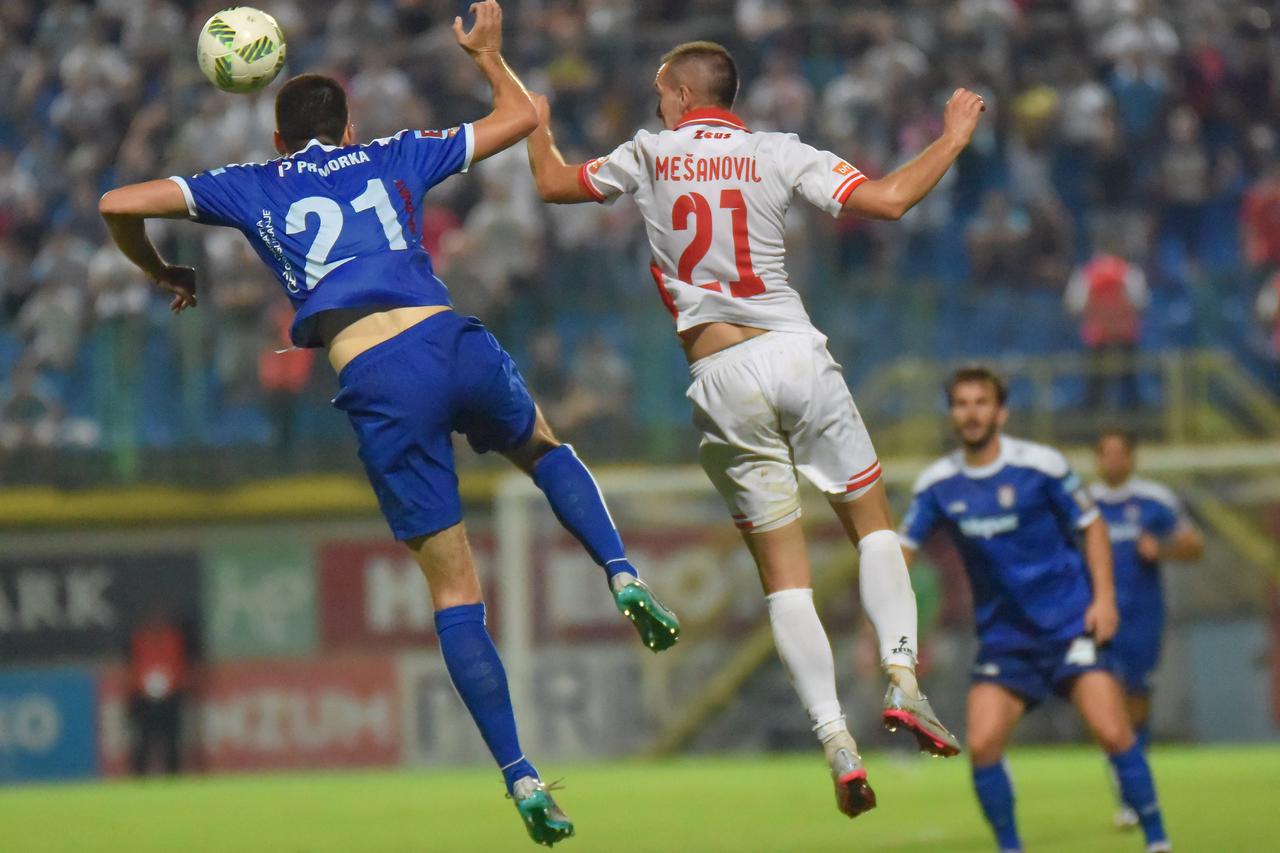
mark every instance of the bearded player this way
{"type": "Point", "coordinates": [339, 224]}
{"type": "Point", "coordinates": [767, 396]}
{"type": "Point", "coordinates": [1038, 558]}
{"type": "Point", "coordinates": [1148, 526]}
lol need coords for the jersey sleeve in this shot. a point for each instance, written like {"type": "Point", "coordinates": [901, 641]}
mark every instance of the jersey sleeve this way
{"type": "Point", "coordinates": [617, 173]}
{"type": "Point", "coordinates": [433, 155]}
{"type": "Point", "coordinates": [922, 517]}
{"type": "Point", "coordinates": [1070, 499]}
{"type": "Point", "coordinates": [223, 196]}
{"type": "Point", "coordinates": [1167, 515]}
{"type": "Point", "coordinates": [819, 177]}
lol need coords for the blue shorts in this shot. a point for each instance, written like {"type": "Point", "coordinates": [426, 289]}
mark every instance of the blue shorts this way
{"type": "Point", "coordinates": [1034, 674]}
{"type": "Point", "coordinates": [1135, 651]}
{"type": "Point", "coordinates": [408, 395]}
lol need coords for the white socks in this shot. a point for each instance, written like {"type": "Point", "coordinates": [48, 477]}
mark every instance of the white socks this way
{"type": "Point", "coordinates": [806, 653]}
{"type": "Point", "coordinates": [887, 597]}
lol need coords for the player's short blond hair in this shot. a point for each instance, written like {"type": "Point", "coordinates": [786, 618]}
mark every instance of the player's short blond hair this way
{"type": "Point", "coordinates": [719, 73]}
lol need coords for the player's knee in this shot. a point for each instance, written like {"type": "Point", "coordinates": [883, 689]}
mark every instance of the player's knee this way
{"type": "Point", "coordinates": [528, 455]}
{"type": "Point", "coordinates": [984, 748]}
{"type": "Point", "coordinates": [1114, 736]}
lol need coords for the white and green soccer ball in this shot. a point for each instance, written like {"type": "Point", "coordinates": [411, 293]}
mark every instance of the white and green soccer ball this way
{"type": "Point", "coordinates": [241, 49]}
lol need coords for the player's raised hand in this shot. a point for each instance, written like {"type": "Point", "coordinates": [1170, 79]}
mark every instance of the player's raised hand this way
{"type": "Point", "coordinates": [181, 282]}
{"type": "Point", "coordinates": [486, 33]}
{"type": "Point", "coordinates": [960, 118]}
{"type": "Point", "coordinates": [542, 107]}
{"type": "Point", "coordinates": [1101, 620]}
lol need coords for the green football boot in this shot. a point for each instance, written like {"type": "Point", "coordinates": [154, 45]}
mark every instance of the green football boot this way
{"type": "Point", "coordinates": [544, 820]}
{"type": "Point", "coordinates": [658, 626]}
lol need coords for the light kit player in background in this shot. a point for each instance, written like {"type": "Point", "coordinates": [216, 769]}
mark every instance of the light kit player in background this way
{"type": "Point", "coordinates": [1148, 526]}
{"type": "Point", "coordinates": [340, 226]}
{"type": "Point", "coordinates": [1044, 611]}
{"type": "Point", "coordinates": [767, 396]}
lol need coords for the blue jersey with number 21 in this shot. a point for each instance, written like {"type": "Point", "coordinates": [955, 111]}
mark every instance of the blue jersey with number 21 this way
{"type": "Point", "coordinates": [340, 227]}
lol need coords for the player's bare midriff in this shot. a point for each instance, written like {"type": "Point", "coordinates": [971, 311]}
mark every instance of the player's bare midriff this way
{"type": "Point", "coordinates": [711, 338]}
{"type": "Point", "coordinates": [353, 338]}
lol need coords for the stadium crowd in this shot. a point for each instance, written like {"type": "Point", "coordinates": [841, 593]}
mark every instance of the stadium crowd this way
{"type": "Point", "coordinates": [1140, 129]}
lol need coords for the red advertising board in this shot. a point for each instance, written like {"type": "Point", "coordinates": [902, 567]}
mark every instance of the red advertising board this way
{"type": "Point", "coordinates": [373, 596]}
{"type": "Point", "coordinates": [342, 712]}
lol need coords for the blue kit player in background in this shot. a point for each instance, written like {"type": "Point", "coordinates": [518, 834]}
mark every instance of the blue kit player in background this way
{"type": "Point", "coordinates": [1044, 611]}
{"type": "Point", "coordinates": [339, 224]}
{"type": "Point", "coordinates": [1148, 526]}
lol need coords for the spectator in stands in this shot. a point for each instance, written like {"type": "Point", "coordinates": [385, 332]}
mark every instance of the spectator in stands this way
{"type": "Point", "coordinates": [997, 240]}
{"type": "Point", "coordinates": [599, 400]}
{"type": "Point", "coordinates": [1050, 241]}
{"type": "Point", "coordinates": [1260, 221]}
{"type": "Point", "coordinates": [120, 297]}
{"type": "Point", "coordinates": [780, 99]}
{"type": "Point", "coordinates": [547, 374]}
{"type": "Point", "coordinates": [31, 412]}
{"type": "Point", "coordinates": [242, 297]}
{"type": "Point", "coordinates": [283, 375]}
{"type": "Point", "coordinates": [1186, 183]}
{"type": "Point", "coordinates": [53, 320]}
{"type": "Point", "coordinates": [1267, 307]}
{"type": "Point", "coordinates": [1077, 94]}
{"type": "Point", "coordinates": [1109, 295]}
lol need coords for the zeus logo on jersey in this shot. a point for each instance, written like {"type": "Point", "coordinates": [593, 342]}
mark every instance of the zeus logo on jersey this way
{"type": "Point", "coordinates": [710, 134]}
{"type": "Point", "coordinates": [990, 526]}
{"type": "Point", "coordinates": [332, 165]}
{"type": "Point", "coordinates": [690, 168]}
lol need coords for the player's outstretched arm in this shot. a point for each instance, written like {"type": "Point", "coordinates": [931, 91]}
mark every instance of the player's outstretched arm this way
{"type": "Point", "coordinates": [513, 117]}
{"type": "Point", "coordinates": [557, 181]}
{"type": "Point", "coordinates": [125, 210]}
{"type": "Point", "coordinates": [1102, 618]}
{"type": "Point", "coordinates": [1186, 543]}
{"type": "Point", "coordinates": [896, 193]}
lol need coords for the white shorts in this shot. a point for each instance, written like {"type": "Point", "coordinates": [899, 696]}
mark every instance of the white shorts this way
{"type": "Point", "coordinates": [769, 406]}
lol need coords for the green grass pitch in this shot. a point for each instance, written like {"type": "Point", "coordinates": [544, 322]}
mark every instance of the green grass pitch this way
{"type": "Point", "coordinates": [1214, 799]}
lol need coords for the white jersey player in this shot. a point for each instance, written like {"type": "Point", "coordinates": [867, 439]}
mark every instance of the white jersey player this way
{"type": "Point", "coordinates": [769, 399]}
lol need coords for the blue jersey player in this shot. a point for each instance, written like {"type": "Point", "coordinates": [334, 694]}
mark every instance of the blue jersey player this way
{"type": "Point", "coordinates": [1147, 526]}
{"type": "Point", "coordinates": [1044, 611]}
{"type": "Point", "coordinates": [340, 226]}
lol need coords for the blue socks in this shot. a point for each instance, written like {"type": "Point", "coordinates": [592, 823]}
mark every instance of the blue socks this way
{"type": "Point", "coordinates": [576, 500]}
{"type": "Point", "coordinates": [995, 793]}
{"type": "Point", "coordinates": [1139, 790]}
{"type": "Point", "coordinates": [1143, 734]}
{"type": "Point", "coordinates": [481, 681]}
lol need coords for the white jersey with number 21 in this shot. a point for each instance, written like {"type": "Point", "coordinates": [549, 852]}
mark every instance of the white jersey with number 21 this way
{"type": "Point", "coordinates": [714, 196]}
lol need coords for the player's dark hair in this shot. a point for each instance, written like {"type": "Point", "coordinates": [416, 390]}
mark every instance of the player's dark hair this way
{"type": "Point", "coordinates": [977, 373]}
{"type": "Point", "coordinates": [1127, 438]}
{"type": "Point", "coordinates": [311, 106]}
{"type": "Point", "coordinates": [720, 72]}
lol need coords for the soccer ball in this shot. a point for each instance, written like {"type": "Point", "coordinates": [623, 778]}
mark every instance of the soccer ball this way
{"type": "Point", "coordinates": [241, 49]}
